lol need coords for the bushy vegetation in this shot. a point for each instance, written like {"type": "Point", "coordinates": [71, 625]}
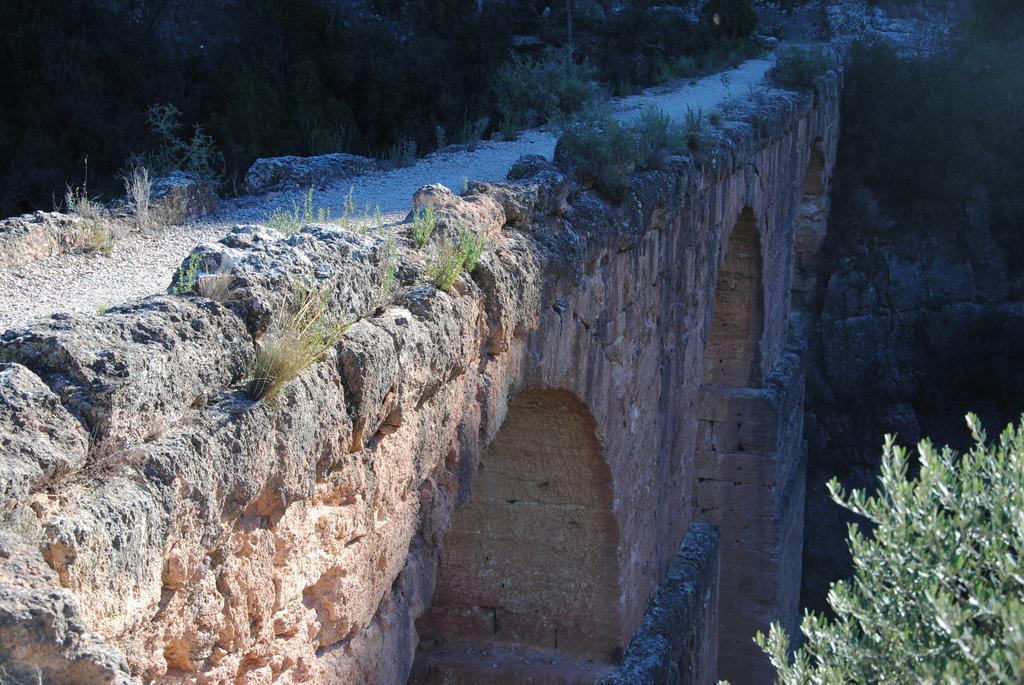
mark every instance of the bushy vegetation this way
{"type": "Point", "coordinates": [424, 223]}
{"type": "Point", "coordinates": [95, 233]}
{"type": "Point", "coordinates": [529, 91]}
{"type": "Point", "coordinates": [937, 594]}
{"type": "Point", "coordinates": [447, 262]}
{"type": "Point", "coordinates": [634, 44]}
{"type": "Point", "coordinates": [173, 151]}
{"type": "Point", "coordinates": [801, 65]}
{"type": "Point", "coordinates": [604, 153]}
{"type": "Point", "coordinates": [928, 135]}
{"type": "Point", "coordinates": [299, 77]}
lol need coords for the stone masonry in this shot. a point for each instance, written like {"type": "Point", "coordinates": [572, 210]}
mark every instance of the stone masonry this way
{"type": "Point", "coordinates": [527, 469]}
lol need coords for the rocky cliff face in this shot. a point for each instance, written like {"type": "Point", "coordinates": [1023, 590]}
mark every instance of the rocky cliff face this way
{"type": "Point", "coordinates": [918, 325]}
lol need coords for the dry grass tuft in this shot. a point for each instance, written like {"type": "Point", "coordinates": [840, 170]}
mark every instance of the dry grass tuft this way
{"type": "Point", "coordinates": [96, 233]}
{"type": "Point", "coordinates": [302, 333]}
{"type": "Point", "coordinates": [137, 187]}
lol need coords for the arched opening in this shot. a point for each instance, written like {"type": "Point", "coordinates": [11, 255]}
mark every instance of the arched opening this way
{"type": "Point", "coordinates": [732, 353]}
{"type": "Point", "coordinates": [530, 558]}
{"type": "Point", "coordinates": [811, 229]}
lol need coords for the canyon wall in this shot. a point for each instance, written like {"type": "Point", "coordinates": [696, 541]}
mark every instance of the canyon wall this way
{"type": "Point", "coordinates": [920, 323]}
{"type": "Point", "coordinates": [557, 466]}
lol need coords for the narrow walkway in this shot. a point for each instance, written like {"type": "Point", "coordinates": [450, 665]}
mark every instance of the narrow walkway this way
{"type": "Point", "coordinates": [143, 265]}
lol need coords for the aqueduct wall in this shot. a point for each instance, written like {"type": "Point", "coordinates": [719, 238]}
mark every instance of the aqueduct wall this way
{"type": "Point", "coordinates": [518, 472]}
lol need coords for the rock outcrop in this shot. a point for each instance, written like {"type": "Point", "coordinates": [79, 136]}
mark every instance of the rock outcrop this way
{"type": "Point", "coordinates": [192, 535]}
{"type": "Point", "coordinates": [30, 237]}
{"type": "Point", "coordinates": [274, 173]}
{"type": "Point", "coordinates": [182, 196]}
{"type": "Point", "coordinates": [918, 327]}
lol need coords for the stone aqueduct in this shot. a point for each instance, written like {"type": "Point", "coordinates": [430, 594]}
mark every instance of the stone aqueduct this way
{"type": "Point", "coordinates": [583, 464]}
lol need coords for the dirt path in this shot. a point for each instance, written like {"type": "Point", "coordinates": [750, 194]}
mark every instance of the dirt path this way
{"type": "Point", "coordinates": [143, 264]}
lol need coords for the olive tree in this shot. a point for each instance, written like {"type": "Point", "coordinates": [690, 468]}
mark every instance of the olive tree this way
{"type": "Point", "coordinates": [937, 593]}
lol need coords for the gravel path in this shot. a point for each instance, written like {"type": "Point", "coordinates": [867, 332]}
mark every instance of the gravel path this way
{"type": "Point", "coordinates": [143, 264]}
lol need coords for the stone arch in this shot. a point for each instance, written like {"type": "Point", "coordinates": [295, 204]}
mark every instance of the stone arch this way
{"type": "Point", "coordinates": [732, 356]}
{"type": "Point", "coordinates": [531, 557]}
{"type": "Point", "coordinates": [811, 228]}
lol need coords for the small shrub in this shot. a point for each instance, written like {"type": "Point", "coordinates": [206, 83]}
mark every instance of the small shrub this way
{"type": "Point", "coordinates": [173, 152]}
{"type": "Point", "coordinates": [137, 188]}
{"type": "Point", "coordinates": [800, 65]}
{"type": "Point", "coordinates": [508, 130]}
{"type": "Point", "coordinates": [444, 266]}
{"type": "Point", "coordinates": [95, 234]}
{"type": "Point", "coordinates": [698, 137]}
{"type": "Point", "coordinates": [98, 237]}
{"type": "Point", "coordinates": [298, 337]}
{"type": "Point", "coordinates": [77, 201]}
{"type": "Point", "coordinates": [186, 281]}
{"type": "Point", "coordinates": [424, 223]}
{"type": "Point", "coordinates": [401, 153]}
{"type": "Point", "coordinates": [446, 262]}
{"type": "Point", "coordinates": [715, 118]}
{"type": "Point", "coordinates": [937, 594]}
{"type": "Point", "coordinates": [290, 223]}
{"type": "Point", "coordinates": [473, 132]}
{"type": "Point", "coordinates": [653, 132]}
{"type": "Point", "coordinates": [529, 92]}
{"type": "Point", "coordinates": [602, 153]}
{"type": "Point", "coordinates": [472, 244]}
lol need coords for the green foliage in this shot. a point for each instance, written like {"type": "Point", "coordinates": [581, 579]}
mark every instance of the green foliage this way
{"type": "Point", "coordinates": [424, 223]}
{"type": "Point", "coordinates": [529, 91]}
{"type": "Point", "coordinates": [401, 153]}
{"type": "Point", "coordinates": [653, 130]}
{"type": "Point", "coordinates": [295, 77]}
{"type": "Point", "coordinates": [472, 244]}
{"type": "Point", "coordinates": [137, 189]}
{"type": "Point", "coordinates": [291, 222]}
{"type": "Point", "coordinates": [301, 333]}
{"type": "Point", "coordinates": [924, 134]}
{"type": "Point", "coordinates": [698, 137]}
{"type": "Point", "coordinates": [732, 18]}
{"type": "Point", "coordinates": [638, 43]}
{"type": "Point", "coordinates": [604, 153]}
{"type": "Point", "coordinates": [185, 283]}
{"type": "Point", "coordinates": [196, 154]}
{"type": "Point", "coordinates": [801, 65]}
{"type": "Point", "coordinates": [473, 132]}
{"type": "Point", "coordinates": [98, 238]}
{"type": "Point", "coordinates": [447, 262]}
{"type": "Point", "coordinates": [444, 266]}
{"type": "Point", "coordinates": [937, 595]}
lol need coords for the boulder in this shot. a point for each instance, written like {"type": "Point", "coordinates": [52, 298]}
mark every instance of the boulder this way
{"type": "Point", "coordinates": [276, 173]}
{"type": "Point", "coordinates": [181, 196]}
{"type": "Point", "coordinates": [29, 237]}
